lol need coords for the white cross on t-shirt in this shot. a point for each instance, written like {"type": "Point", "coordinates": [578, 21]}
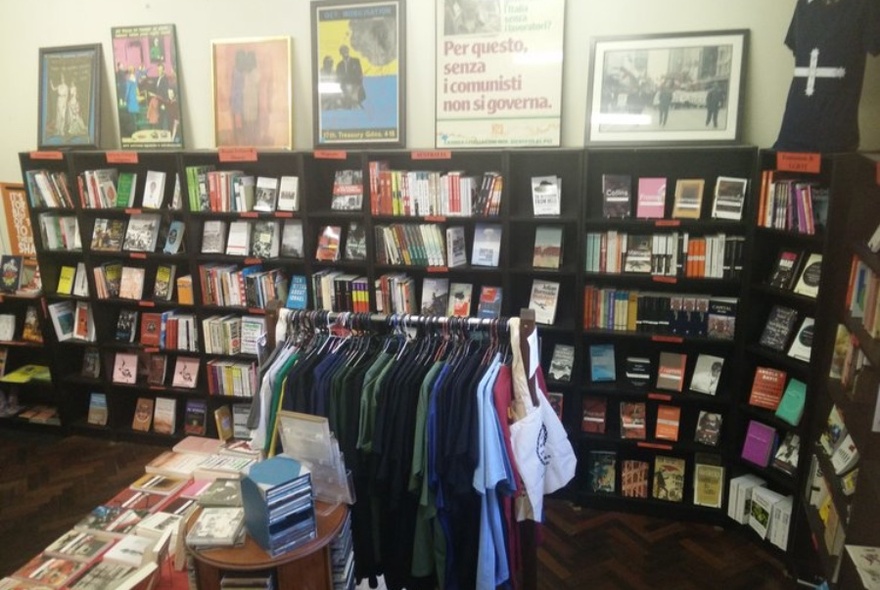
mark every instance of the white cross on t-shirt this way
{"type": "Point", "coordinates": [814, 71]}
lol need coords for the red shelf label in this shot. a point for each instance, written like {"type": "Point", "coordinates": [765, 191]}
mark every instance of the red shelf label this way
{"type": "Point", "coordinates": [122, 157]}
{"type": "Point", "coordinates": [662, 279]}
{"type": "Point", "coordinates": [284, 214]}
{"type": "Point", "coordinates": [667, 223]}
{"type": "Point", "coordinates": [432, 155]}
{"type": "Point", "coordinates": [256, 310]}
{"type": "Point", "coordinates": [670, 339]}
{"type": "Point", "coordinates": [237, 154]}
{"type": "Point", "coordinates": [134, 211]}
{"type": "Point", "coordinates": [438, 269]}
{"type": "Point", "coordinates": [331, 154]}
{"type": "Point", "coordinates": [147, 303]}
{"type": "Point", "coordinates": [253, 261]}
{"type": "Point", "coordinates": [157, 388]}
{"type": "Point", "coordinates": [647, 445]}
{"type": "Point", "coordinates": [435, 218]}
{"type": "Point", "coordinates": [141, 255]}
{"type": "Point", "coordinates": [48, 155]}
{"type": "Point", "coordinates": [253, 214]}
{"type": "Point", "coordinates": [151, 349]}
{"type": "Point", "coordinates": [663, 397]}
{"type": "Point", "coordinates": [799, 162]}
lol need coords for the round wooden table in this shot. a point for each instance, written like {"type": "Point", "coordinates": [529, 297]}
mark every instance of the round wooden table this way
{"type": "Point", "coordinates": [305, 568]}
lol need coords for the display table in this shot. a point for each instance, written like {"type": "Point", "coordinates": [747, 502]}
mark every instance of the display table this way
{"type": "Point", "coordinates": [306, 568]}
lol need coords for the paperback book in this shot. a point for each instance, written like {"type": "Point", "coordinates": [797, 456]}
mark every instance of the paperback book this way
{"type": "Point", "coordinates": [546, 195]}
{"type": "Point", "coordinates": [489, 305]}
{"type": "Point", "coordinates": [730, 196]}
{"type": "Point", "coordinates": [543, 300]}
{"type": "Point", "coordinates": [603, 472]}
{"type": "Point", "coordinates": [651, 203]}
{"type": "Point", "coordinates": [562, 362]}
{"type": "Point", "coordinates": [593, 417]}
{"type": "Point", "coordinates": [808, 280]}
{"type": "Point", "coordinates": [668, 478]}
{"type": "Point", "coordinates": [708, 430]}
{"type": "Point", "coordinates": [487, 245]}
{"type": "Point", "coordinates": [616, 195]}
{"type": "Point", "coordinates": [459, 300]}
{"type": "Point", "coordinates": [603, 367]}
{"type": "Point", "coordinates": [707, 374]}
{"type": "Point", "coordinates": [784, 271]}
{"type": "Point", "coordinates": [688, 198]}
{"type": "Point", "coordinates": [547, 252]}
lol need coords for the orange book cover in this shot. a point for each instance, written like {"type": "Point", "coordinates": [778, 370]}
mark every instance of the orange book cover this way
{"type": "Point", "coordinates": [668, 419]}
{"type": "Point", "coordinates": [767, 387]}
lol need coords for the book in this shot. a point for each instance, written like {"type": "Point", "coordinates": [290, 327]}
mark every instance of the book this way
{"type": "Point", "coordinates": [547, 252]}
{"type": "Point", "coordinates": [132, 550]}
{"type": "Point", "coordinates": [143, 414]}
{"type": "Point", "coordinates": [125, 368]}
{"type": "Point", "coordinates": [238, 241]}
{"type": "Point", "coordinates": [557, 400]}
{"type": "Point", "coordinates": [97, 415]}
{"type": "Point", "coordinates": [214, 236]}
{"type": "Point", "coordinates": [668, 478]}
{"type": "Point", "coordinates": [356, 242]}
{"type": "Point", "coordinates": [706, 374]}
{"type": "Point", "coordinates": [223, 421]}
{"type": "Point", "coordinates": [632, 420]}
{"type": "Point", "coordinates": [603, 471]}
{"type": "Point", "coordinates": [265, 239]}
{"type": "Point", "coordinates": [489, 305]}
{"type": "Point", "coordinates": [31, 330]}
{"type": "Point", "coordinates": [125, 189]}
{"type": "Point", "coordinates": [7, 327]}
{"type": "Point", "coordinates": [778, 329]}
{"type": "Point", "coordinates": [671, 370]}
{"type": "Point", "coordinates": [668, 421]}
{"type": "Point", "coordinates": [163, 285]}
{"type": "Point", "coordinates": [638, 256]}
{"type": "Point", "coordinates": [867, 562]}
{"type": "Point", "coordinates": [456, 249]}
{"type": "Point", "coordinates": [834, 431]}
{"type": "Point", "coordinates": [543, 300]}
{"type": "Point", "coordinates": [786, 457]}
{"type": "Point", "coordinates": [126, 325]}
{"type": "Point", "coordinates": [760, 509]}
{"type": "Point", "coordinates": [603, 366]}
{"type": "Point", "coordinates": [708, 481]}
{"type": "Point", "coordinates": [142, 232]}
{"type": "Point", "coordinates": [546, 195]}
{"type": "Point", "coordinates": [593, 416]}
{"type": "Point", "coordinates": [708, 430]}
{"type": "Point", "coordinates": [298, 293]}
{"type": "Point", "coordinates": [808, 280]}
{"type": "Point", "coordinates": [78, 546]}
{"type": "Point", "coordinates": [459, 304]}
{"type": "Point", "coordinates": [186, 372]}
{"type": "Point", "coordinates": [688, 201]}
{"type": "Point", "coordinates": [651, 200]}
{"type": "Point", "coordinates": [739, 496]}
{"type": "Point", "coordinates": [616, 195]}
{"type": "Point", "coordinates": [791, 406]}
{"type": "Point", "coordinates": [487, 245]}
{"type": "Point", "coordinates": [65, 280]}
{"type": "Point", "coordinates": [638, 370]}
{"type": "Point", "coordinates": [157, 367]}
{"type": "Point", "coordinates": [292, 238]}
{"type": "Point", "coordinates": [223, 491]}
{"type": "Point", "coordinates": [10, 273]}
{"type": "Point", "coordinates": [768, 385]}
{"type": "Point", "coordinates": [154, 190]}
{"type": "Point", "coordinates": [131, 282]}
{"type": "Point", "coordinates": [721, 318]}
{"type": "Point", "coordinates": [730, 197]}
{"type": "Point", "coordinates": [288, 194]}
{"type": "Point", "coordinates": [174, 238]}
{"type": "Point", "coordinates": [91, 365]}
{"type": "Point", "coordinates": [328, 243]}
{"type": "Point", "coordinates": [435, 296]}
{"type": "Point", "coordinates": [159, 484]}
{"type": "Point", "coordinates": [845, 456]}
{"type": "Point", "coordinates": [634, 478]}
{"type": "Point", "coordinates": [43, 571]}
{"type": "Point", "coordinates": [802, 344]}
{"type": "Point", "coordinates": [195, 417]}
{"type": "Point", "coordinates": [266, 194]}
{"type": "Point", "coordinates": [758, 444]}
{"type": "Point", "coordinates": [108, 235]}
{"type": "Point", "coordinates": [784, 271]}
{"type": "Point", "coordinates": [562, 362]}
{"type": "Point", "coordinates": [348, 190]}
{"type": "Point", "coordinates": [165, 415]}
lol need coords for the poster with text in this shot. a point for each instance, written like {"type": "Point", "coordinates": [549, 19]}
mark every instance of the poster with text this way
{"type": "Point", "coordinates": [18, 222]}
{"type": "Point", "coordinates": [499, 73]}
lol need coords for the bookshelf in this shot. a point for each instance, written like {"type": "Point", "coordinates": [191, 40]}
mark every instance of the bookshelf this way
{"type": "Point", "coordinates": [846, 375]}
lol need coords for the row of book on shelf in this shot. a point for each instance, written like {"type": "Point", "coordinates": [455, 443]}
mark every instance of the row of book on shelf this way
{"type": "Point", "coordinates": [635, 416]}
{"type": "Point", "coordinates": [13, 328]}
{"type": "Point", "coordinates": [766, 511]}
{"type": "Point", "coordinates": [674, 254]}
{"type": "Point", "coordinates": [651, 202]}
{"type": "Point", "coordinates": [115, 279]}
{"type": "Point", "coordinates": [791, 204]}
{"type": "Point", "coordinates": [237, 191]}
{"type": "Point", "coordinates": [674, 314]}
{"type": "Point", "coordinates": [19, 275]}
{"type": "Point", "coordinates": [102, 188]}
{"type": "Point", "coordinates": [670, 374]}
{"type": "Point", "coordinates": [779, 333]}
{"type": "Point", "coordinates": [256, 239]}
{"type": "Point", "coordinates": [666, 481]}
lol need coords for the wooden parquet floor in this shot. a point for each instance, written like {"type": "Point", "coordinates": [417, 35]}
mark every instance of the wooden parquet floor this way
{"type": "Point", "coordinates": [48, 483]}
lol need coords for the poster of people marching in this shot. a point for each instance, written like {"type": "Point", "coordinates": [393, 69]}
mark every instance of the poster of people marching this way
{"type": "Point", "coordinates": [499, 73]}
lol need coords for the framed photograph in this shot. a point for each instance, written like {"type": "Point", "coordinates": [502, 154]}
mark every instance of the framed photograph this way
{"type": "Point", "coordinates": [680, 87]}
{"type": "Point", "coordinates": [70, 84]}
{"type": "Point", "coordinates": [147, 87]}
{"type": "Point", "coordinates": [252, 92]}
{"type": "Point", "coordinates": [498, 73]}
{"type": "Point", "coordinates": [358, 65]}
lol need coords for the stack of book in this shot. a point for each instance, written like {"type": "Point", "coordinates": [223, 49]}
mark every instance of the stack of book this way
{"type": "Point", "coordinates": [217, 526]}
{"type": "Point", "coordinates": [278, 505]}
{"type": "Point", "coordinates": [342, 557]}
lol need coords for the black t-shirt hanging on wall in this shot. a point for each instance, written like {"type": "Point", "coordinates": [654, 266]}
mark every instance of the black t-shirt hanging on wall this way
{"type": "Point", "coordinates": [829, 39]}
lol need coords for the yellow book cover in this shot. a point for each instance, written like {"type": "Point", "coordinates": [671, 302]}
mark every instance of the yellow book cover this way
{"type": "Point", "coordinates": [65, 280]}
{"type": "Point", "coordinates": [185, 290]}
{"type": "Point", "coordinates": [223, 417]}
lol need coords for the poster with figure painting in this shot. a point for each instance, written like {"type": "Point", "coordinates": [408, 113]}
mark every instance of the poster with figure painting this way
{"type": "Point", "coordinates": [252, 92]}
{"type": "Point", "coordinates": [147, 87]}
{"type": "Point", "coordinates": [358, 66]}
{"type": "Point", "coordinates": [70, 82]}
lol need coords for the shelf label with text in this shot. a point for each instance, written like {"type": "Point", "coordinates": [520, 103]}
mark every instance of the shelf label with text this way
{"type": "Point", "coordinates": [799, 162]}
{"type": "Point", "coordinates": [432, 155]}
{"type": "Point", "coordinates": [47, 155]}
{"type": "Point", "coordinates": [667, 223]}
{"type": "Point", "coordinates": [331, 154]}
{"type": "Point", "coordinates": [647, 445]}
{"type": "Point", "coordinates": [438, 269]}
{"type": "Point", "coordinates": [669, 339]}
{"type": "Point", "coordinates": [122, 157]}
{"type": "Point", "coordinates": [237, 154]}
{"type": "Point", "coordinates": [147, 303]}
{"type": "Point", "coordinates": [664, 279]}
{"type": "Point", "coordinates": [663, 397]}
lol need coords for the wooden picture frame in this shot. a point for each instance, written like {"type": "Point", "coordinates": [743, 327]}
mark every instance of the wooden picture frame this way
{"type": "Point", "coordinates": [358, 73]}
{"type": "Point", "coordinates": [147, 82]}
{"type": "Point", "coordinates": [252, 85]}
{"type": "Point", "coordinates": [70, 97]}
{"type": "Point", "coordinates": [670, 88]}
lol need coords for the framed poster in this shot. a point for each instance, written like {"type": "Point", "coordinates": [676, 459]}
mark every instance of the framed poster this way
{"type": "Point", "coordinates": [252, 92]}
{"type": "Point", "coordinates": [358, 65]}
{"type": "Point", "coordinates": [680, 87]}
{"type": "Point", "coordinates": [147, 87]}
{"type": "Point", "coordinates": [17, 222]}
{"type": "Point", "coordinates": [70, 84]}
{"type": "Point", "coordinates": [498, 73]}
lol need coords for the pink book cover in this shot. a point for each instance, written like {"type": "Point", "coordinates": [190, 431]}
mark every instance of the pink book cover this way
{"type": "Point", "coordinates": [651, 203]}
{"type": "Point", "coordinates": [759, 443]}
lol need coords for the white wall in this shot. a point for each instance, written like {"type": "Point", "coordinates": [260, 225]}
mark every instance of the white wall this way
{"type": "Point", "coordinates": [31, 24]}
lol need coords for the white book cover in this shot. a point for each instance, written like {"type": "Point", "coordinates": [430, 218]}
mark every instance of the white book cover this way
{"type": "Point", "coordinates": [435, 296]}
{"type": "Point", "coordinates": [131, 550]}
{"type": "Point", "coordinates": [81, 281]}
{"type": "Point", "coordinates": [707, 373]}
{"type": "Point", "coordinates": [546, 195]}
{"type": "Point", "coordinates": [487, 245]}
{"type": "Point", "coordinates": [238, 242]}
{"type": "Point", "coordinates": [456, 252]}
{"type": "Point", "coordinates": [288, 194]}
{"type": "Point", "coordinates": [214, 237]}
{"type": "Point", "coordinates": [292, 239]}
{"type": "Point", "coordinates": [730, 196]}
{"type": "Point", "coordinates": [62, 314]}
{"type": "Point", "coordinates": [459, 304]}
{"type": "Point", "coordinates": [761, 508]}
{"type": "Point", "coordinates": [142, 232]}
{"type": "Point", "coordinates": [265, 238]}
{"type": "Point", "coordinates": [165, 415]}
{"type": "Point", "coordinates": [186, 372]}
{"type": "Point", "coordinates": [802, 344]}
{"type": "Point", "coordinates": [266, 194]}
{"type": "Point", "coordinates": [543, 299]}
{"type": "Point", "coordinates": [125, 366]}
{"type": "Point", "coordinates": [154, 190]}
{"type": "Point", "coordinates": [7, 327]}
